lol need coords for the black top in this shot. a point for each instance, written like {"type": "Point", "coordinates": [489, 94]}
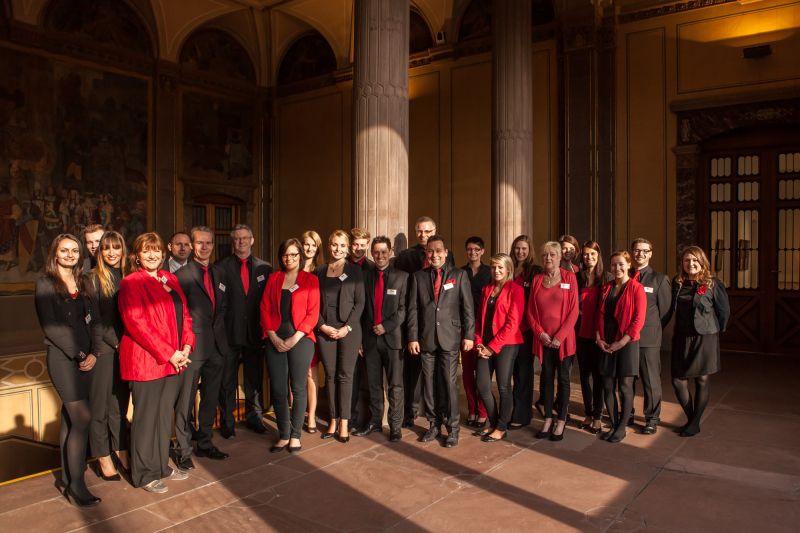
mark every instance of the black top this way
{"type": "Point", "coordinates": [684, 320]}
{"type": "Point", "coordinates": [63, 319]}
{"type": "Point", "coordinates": [178, 303]}
{"type": "Point", "coordinates": [286, 328]}
{"type": "Point", "coordinates": [611, 327]}
{"type": "Point", "coordinates": [488, 334]}
{"type": "Point", "coordinates": [107, 325]}
{"type": "Point", "coordinates": [478, 281]}
{"type": "Point", "coordinates": [331, 288]}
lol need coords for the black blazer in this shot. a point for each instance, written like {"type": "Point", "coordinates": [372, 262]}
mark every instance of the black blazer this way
{"type": "Point", "coordinates": [64, 320]}
{"type": "Point", "coordinates": [368, 264]}
{"type": "Point", "coordinates": [711, 310]}
{"type": "Point", "coordinates": [440, 326]}
{"type": "Point", "coordinates": [478, 282]}
{"type": "Point", "coordinates": [657, 290]}
{"type": "Point", "coordinates": [351, 296]}
{"type": "Point", "coordinates": [241, 318]}
{"type": "Point", "coordinates": [208, 323]}
{"type": "Point", "coordinates": [411, 259]}
{"type": "Point", "coordinates": [393, 313]}
{"type": "Point", "coordinates": [107, 325]}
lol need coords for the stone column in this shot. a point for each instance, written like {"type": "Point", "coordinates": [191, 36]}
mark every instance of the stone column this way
{"type": "Point", "coordinates": [380, 118]}
{"type": "Point", "coordinates": [512, 123]}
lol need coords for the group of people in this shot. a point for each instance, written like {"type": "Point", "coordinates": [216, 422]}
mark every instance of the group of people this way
{"type": "Point", "coordinates": [162, 322]}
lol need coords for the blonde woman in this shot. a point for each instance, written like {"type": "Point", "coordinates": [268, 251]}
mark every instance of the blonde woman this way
{"type": "Point", "coordinates": [313, 258]}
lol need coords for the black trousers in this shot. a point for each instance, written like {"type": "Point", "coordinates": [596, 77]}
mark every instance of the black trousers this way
{"type": "Point", "coordinates": [151, 430]}
{"type": "Point", "coordinates": [591, 380]}
{"type": "Point", "coordinates": [412, 385]}
{"type": "Point", "coordinates": [380, 358]}
{"type": "Point", "coordinates": [339, 359]}
{"type": "Point", "coordinates": [502, 365]}
{"type": "Point", "coordinates": [205, 375]}
{"type": "Point", "coordinates": [286, 367]}
{"type": "Point", "coordinates": [440, 408]}
{"type": "Point", "coordinates": [359, 403]}
{"type": "Point", "coordinates": [650, 376]}
{"type": "Point", "coordinates": [523, 382]}
{"type": "Point", "coordinates": [552, 364]}
{"type": "Point", "coordinates": [251, 358]}
{"type": "Point", "coordinates": [108, 401]}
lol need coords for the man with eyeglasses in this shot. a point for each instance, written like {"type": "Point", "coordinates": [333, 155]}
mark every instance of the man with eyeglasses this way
{"type": "Point", "coordinates": [658, 292]}
{"type": "Point", "coordinates": [247, 276]}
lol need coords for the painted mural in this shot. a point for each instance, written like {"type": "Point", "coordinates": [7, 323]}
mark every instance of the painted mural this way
{"type": "Point", "coordinates": [73, 151]}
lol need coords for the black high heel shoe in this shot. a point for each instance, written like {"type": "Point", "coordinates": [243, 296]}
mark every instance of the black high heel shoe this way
{"type": "Point", "coordinates": [78, 501]}
{"type": "Point", "coordinates": [488, 437]}
{"type": "Point", "coordinates": [99, 471]}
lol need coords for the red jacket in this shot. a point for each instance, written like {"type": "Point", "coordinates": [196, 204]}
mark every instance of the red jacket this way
{"type": "Point", "coordinates": [508, 312]}
{"type": "Point", "coordinates": [305, 304]}
{"type": "Point", "coordinates": [151, 328]}
{"type": "Point", "coordinates": [630, 310]}
{"type": "Point", "coordinates": [569, 315]}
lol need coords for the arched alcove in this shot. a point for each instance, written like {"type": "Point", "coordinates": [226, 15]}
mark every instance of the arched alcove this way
{"type": "Point", "coordinates": [308, 57]}
{"type": "Point", "coordinates": [476, 22]}
{"type": "Point", "coordinates": [419, 34]}
{"type": "Point", "coordinates": [216, 52]}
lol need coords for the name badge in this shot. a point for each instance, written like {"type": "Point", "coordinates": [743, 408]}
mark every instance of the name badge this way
{"type": "Point", "coordinates": [294, 287]}
{"type": "Point", "coordinates": [260, 278]}
{"type": "Point", "coordinates": [565, 285]}
{"type": "Point", "coordinates": [391, 292]}
{"type": "Point", "coordinates": [648, 290]}
{"type": "Point", "coordinates": [88, 317]}
{"type": "Point", "coordinates": [222, 287]}
{"type": "Point", "coordinates": [447, 286]}
{"type": "Point", "coordinates": [343, 277]}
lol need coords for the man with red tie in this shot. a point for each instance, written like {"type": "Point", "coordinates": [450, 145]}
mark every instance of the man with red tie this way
{"type": "Point", "coordinates": [441, 320]}
{"type": "Point", "coordinates": [382, 324]}
{"type": "Point", "coordinates": [247, 275]}
{"type": "Point", "coordinates": [205, 287]}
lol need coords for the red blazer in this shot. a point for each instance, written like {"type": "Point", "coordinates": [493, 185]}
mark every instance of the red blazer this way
{"type": "Point", "coordinates": [305, 304]}
{"type": "Point", "coordinates": [508, 312]}
{"type": "Point", "coordinates": [569, 315]}
{"type": "Point", "coordinates": [151, 329]}
{"type": "Point", "coordinates": [630, 311]}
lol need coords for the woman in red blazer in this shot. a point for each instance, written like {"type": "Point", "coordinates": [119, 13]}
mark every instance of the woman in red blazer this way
{"type": "Point", "coordinates": [497, 341]}
{"type": "Point", "coordinates": [154, 349]}
{"type": "Point", "coordinates": [553, 312]}
{"type": "Point", "coordinates": [289, 313]}
{"type": "Point", "coordinates": [620, 317]}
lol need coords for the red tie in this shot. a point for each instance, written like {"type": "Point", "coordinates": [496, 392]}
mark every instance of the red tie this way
{"type": "Point", "coordinates": [636, 275]}
{"type": "Point", "coordinates": [245, 274]}
{"type": "Point", "coordinates": [425, 263]}
{"type": "Point", "coordinates": [209, 286]}
{"type": "Point", "coordinates": [437, 285]}
{"type": "Point", "coordinates": [379, 299]}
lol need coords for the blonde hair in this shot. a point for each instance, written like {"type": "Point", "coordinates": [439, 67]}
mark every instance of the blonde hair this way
{"type": "Point", "coordinates": [505, 261]}
{"type": "Point", "coordinates": [342, 234]}
{"type": "Point", "coordinates": [551, 245]}
{"type": "Point", "coordinates": [319, 257]}
{"type": "Point", "coordinates": [102, 271]}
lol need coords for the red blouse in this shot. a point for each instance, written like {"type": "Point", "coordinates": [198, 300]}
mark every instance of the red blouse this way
{"type": "Point", "coordinates": [590, 298]}
{"type": "Point", "coordinates": [555, 312]}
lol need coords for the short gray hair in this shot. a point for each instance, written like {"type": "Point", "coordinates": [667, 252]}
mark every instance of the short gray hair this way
{"type": "Point", "coordinates": [204, 229]}
{"type": "Point", "coordinates": [238, 227]}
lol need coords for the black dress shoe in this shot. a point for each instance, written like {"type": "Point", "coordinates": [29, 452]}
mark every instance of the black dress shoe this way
{"type": "Point", "coordinates": [255, 427]}
{"type": "Point", "coordinates": [488, 437]}
{"type": "Point", "coordinates": [343, 440]}
{"type": "Point", "coordinates": [560, 437]}
{"type": "Point", "coordinates": [543, 434]}
{"type": "Point", "coordinates": [211, 453]}
{"type": "Point", "coordinates": [227, 433]}
{"type": "Point", "coordinates": [185, 464]}
{"type": "Point", "coordinates": [78, 501]}
{"type": "Point", "coordinates": [395, 435]}
{"type": "Point", "coordinates": [363, 432]}
{"type": "Point", "coordinates": [295, 449]}
{"type": "Point", "coordinates": [631, 421]}
{"type": "Point", "coordinates": [277, 449]}
{"type": "Point", "coordinates": [649, 429]}
{"type": "Point", "coordinates": [431, 434]}
{"type": "Point", "coordinates": [101, 475]}
{"type": "Point", "coordinates": [452, 439]}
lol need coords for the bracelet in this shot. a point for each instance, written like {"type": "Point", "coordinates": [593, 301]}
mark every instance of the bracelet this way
{"type": "Point", "coordinates": [81, 357]}
{"type": "Point", "coordinates": [348, 327]}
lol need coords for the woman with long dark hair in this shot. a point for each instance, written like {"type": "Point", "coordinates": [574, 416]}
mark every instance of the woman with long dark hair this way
{"type": "Point", "coordinates": [110, 395]}
{"type": "Point", "coordinates": [701, 307]}
{"type": "Point", "coordinates": [570, 252]}
{"type": "Point", "coordinates": [65, 315]}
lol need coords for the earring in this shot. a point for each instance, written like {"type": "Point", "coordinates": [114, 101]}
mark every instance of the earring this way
{"type": "Point", "coordinates": [137, 261]}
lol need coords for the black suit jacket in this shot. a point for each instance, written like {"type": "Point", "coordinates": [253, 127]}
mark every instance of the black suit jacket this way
{"type": "Point", "coordinates": [440, 326]}
{"type": "Point", "coordinates": [63, 320]}
{"type": "Point", "coordinates": [411, 259]}
{"type": "Point", "coordinates": [657, 290]}
{"type": "Point", "coordinates": [241, 318]}
{"type": "Point", "coordinates": [208, 322]}
{"type": "Point", "coordinates": [711, 310]}
{"type": "Point", "coordinates": [478, 282]}
{"type": "Point", "coordinates": [107, 324]}
{"type": "Point", "coordinates": [368, 264]}
{"type": "Point", "coordinates": [393, 313]}
{"type": "Point", "coordinates": [351, 296]}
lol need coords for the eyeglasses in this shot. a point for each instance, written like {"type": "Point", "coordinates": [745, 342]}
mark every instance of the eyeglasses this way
{"type": "Point", "coordinates": [290, 256]}
{"type": "Point", "coordinates": [643, 252]}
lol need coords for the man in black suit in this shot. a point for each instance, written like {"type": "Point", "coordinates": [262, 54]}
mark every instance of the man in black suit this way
{"type": "Point", "coordinates": [412, 260]}
{"type": "Point", "coordinates": [441, 320]}
{"type": "Point", "coordinates": [247, 276]}
{"type": "Point", "coordinates": [205, 288]}
{"type": "Point", "coordinates": [382, 325]}
{"type": "Point", "coordinates": [658, 292]}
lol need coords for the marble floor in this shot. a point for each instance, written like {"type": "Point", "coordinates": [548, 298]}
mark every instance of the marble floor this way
{"type": "Point", "coordinates": [741, 473]}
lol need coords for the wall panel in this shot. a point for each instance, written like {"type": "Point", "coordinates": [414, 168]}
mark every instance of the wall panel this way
{"type": "Point", "coordinates": [545, 146]}
{"type": "Point", "coordinates": [424, 136]}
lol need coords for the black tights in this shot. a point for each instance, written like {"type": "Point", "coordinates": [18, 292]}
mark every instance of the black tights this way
{"type": "Point", "coordinates": [693, 409]}
{"type": "Point", "coordinates": [619, 418]}
{"type": "Point", "coordinates": [75, 420]}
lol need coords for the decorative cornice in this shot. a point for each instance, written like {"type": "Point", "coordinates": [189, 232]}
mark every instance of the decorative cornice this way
{"type": "Point", "coordinates": [217, 83]}
{"type": "Point", "coordinates": [669, 9]}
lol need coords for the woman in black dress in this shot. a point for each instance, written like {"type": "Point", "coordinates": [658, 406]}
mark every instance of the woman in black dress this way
{"type": "Point", "coordinates": [620, 317]}
{"type": "Point", "coordinates": [65, 314]}
{"type": "Point", "coordinates": [109, 395]}
{"type": "Point", "coordinates": [701, 307]}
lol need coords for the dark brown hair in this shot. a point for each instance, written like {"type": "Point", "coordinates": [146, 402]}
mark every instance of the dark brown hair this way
{"type": "Point", "coordinates": [51, 267]}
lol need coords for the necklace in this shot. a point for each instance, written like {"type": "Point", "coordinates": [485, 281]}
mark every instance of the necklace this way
{"type": "Point", "coordinates": [549, 281]}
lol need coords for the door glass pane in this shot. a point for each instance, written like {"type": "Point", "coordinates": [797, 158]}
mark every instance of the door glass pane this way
{"type": "Point", "coordinates": [721, 245]}
{"type": "Point", "coordinates": [789, 249]}
{"type": "Point", "coordinates": [199, 215]}
{"type": "Point", "coordinates": [747, 250]}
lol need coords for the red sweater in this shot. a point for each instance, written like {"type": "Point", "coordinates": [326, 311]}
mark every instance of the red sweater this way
{"type": "Point", "coordinates": [151, 328]}
{"type": "Point", "coordinates": [590, 298]}
{"type": "Point", "coordinates": [630, 310]}
{"type": "Point", "coordinates": [305, 304]}
{"type": "Point", "coordinates": [567, 292]}
{"type": "Point", "coordinates": [508, 311]}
